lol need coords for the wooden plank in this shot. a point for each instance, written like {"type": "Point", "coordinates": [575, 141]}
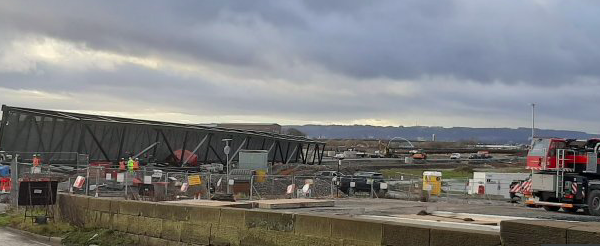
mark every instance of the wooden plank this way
{"type": "Point", "coordinates": [458, 219]}
{"type": "Point", "coordinates": [293, 203]}
{"type": "Point", "coordinates": [213, 203]}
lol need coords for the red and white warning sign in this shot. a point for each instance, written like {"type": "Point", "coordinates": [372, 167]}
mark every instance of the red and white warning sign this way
{"type": "Point", "coordinates": [291, 188]}
{"type": "Point", "coordinates": [79, 182]}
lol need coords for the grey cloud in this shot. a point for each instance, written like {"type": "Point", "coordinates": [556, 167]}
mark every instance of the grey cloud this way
{"type": "Point", "coordinates": [473, 45]}
{"type": "Point", "coordinates": [140, 87]}
{"type": "Point", "coordinates": [505, 41]}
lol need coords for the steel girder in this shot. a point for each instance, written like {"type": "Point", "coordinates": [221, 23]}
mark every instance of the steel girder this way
{"type": "Point", "coordinates": [106, 138]}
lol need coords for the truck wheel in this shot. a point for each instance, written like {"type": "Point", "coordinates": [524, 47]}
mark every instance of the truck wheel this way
{"type": "Point", "coordinates": [551, 208]}
{"type": "Point", "coordinates": [593, 203]}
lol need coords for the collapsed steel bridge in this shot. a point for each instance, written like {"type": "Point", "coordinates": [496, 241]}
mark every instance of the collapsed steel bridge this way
{"type": "Point", "coordinates": [108, 139]}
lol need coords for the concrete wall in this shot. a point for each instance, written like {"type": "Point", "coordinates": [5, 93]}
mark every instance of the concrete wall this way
{"type": "Point", "coordinates": [169, 224]}
{"type": "Point", "coordinates": [539, 232]}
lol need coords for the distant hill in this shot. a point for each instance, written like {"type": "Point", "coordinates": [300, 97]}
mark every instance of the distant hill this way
{"type": "Point", "coordinates": [481, 135]}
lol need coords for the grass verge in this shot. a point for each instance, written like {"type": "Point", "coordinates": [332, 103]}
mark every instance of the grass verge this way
{"type": "Point", "coordinates": [17, 220]}
{"type": "Point", "coordinates": [101, 237]}
{"type": "Point", "coordinates": [71, 235]}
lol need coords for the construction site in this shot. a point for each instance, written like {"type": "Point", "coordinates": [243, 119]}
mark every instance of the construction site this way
{"type": "Point", "coordinates": [116, 173]}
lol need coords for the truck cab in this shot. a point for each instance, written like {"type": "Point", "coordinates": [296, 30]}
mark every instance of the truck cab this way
{"type": "Point", "coordinates": [574, 155]}
{"type": "Point", "coordinates": [542, 153]}
{"type": "Point", "coordinates": [565, 174]}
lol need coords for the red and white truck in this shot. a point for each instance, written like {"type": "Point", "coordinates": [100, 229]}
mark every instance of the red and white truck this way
{"type": "Point", "coordinates": [565, 174]}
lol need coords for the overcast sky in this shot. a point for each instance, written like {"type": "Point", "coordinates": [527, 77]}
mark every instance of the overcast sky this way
{"type": "Point", "coordinates": [386, 62]}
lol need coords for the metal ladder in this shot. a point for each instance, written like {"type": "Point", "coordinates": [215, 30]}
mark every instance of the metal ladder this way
{"type": "Point", "coordinates": [560, 172]}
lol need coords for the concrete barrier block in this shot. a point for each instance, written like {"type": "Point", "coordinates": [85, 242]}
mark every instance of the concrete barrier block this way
{"type": "Point", "coordinates": [60, 195]}
{"type": "Point", "coordinates": [129, 208]}
{"type": "Point", "coordinates": [134, 225]}
{"type": "Point", "coordinates": [87, 218]}
{"type": "Point", "coordinates": [256, 219]}
{"type": "Point", "coordinates": [92, 218]}
{"type": "Point", "coordinates": [312, 225]}
{"type": "Point", "coordinates": [397, 234]}
{"type": "Point", "coordinates": [143, 240]}
{"type": "Point", "coordinates": [61, 202]}
{"type": "Point", "coordinates": [463, 237]}
{"type": "Point", "coordinates": [195, 233]}
{"type": "Point", "coordinates": [105, 220]}
{"type": "Point", "coordinates": [64, 201]}
{"type": "Point", "coordinates": [79, 216]}
{"type": "Point", "coordinates": [99, 204]}
{"type": "Point", "coordinates": [150, 226]}
{"type": "Point", "coordinates": [203, 215]}
{"type": "Point", "coordinates": [260, 236]}
{"type": "Point", "coordinates": [173, 243]}
{"type": "Point", "coordinates": [121, 222]}
{"type": "Point", "coordinates": [147, 209]}
{"type": "Point", "coordinates": [180, 213]}
{"type": "Point", "coordinates": [356, 229]}
{"type": "Point", "coordinates": [283, 222]}
{"type": "Point", "coordinates": [172, 212]}
{"type": "Point", "coordinates": [533, 232]}
{"type": "Point", "coordinates": [225, 235]}
{"type": "Point", "coordinates": [294, 239]}
{"type": "Point", "coordinates": [152, 241]}
{"type": "Point", "coordinates": [232, 217]}
{"type": "Point", "coordinates": [81, 202]}
{"type": "Point", "coordinates": [584, 233]}
{"type": "Point", "coordinates": [114, 206]}
{"type": "Point", "coordinates": [267, 220]}
{"type": "Point", "coordinates": [171, 230]}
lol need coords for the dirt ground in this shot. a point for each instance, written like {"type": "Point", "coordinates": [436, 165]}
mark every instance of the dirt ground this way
{"type": "Point", "coordinates": [383, 207]}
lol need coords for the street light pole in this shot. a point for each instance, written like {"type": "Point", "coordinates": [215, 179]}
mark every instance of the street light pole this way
{"type": "Point", "coordinates": [227, 149]}
{"type": "Point", "coordinates": [338, 178]}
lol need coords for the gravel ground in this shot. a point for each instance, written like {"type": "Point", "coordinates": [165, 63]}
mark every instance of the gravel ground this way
{"type": "Point", "coordinates": [364, 206]}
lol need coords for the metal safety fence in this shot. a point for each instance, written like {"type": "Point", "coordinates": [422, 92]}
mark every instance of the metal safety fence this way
{"type": "Point", "coordinates": [160, 185]}
{"type": "Point", "coordinates": [166, 184]}
{"type": "Point", "coordinates": [453, 190]}
{"type": "Point", "coordinates": [140, 184]}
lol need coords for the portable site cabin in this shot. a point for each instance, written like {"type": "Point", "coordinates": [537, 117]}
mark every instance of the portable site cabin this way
{"type": "Point", "coordinates": [256, 160]}
{"type": "Point", "coordinates": [486, 183]}
{"type": "Point", "coordinates": [432, 182]}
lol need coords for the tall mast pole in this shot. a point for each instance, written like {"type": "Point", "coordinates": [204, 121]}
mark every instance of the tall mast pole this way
{"type": "Point", "coordinates": [532, 121]}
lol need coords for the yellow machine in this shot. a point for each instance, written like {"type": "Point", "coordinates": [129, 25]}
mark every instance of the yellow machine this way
{"type": "Point", "coordinates": [432, 182]}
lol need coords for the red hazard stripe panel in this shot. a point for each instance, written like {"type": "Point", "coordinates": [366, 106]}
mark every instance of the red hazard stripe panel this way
{"type": "Point", "coordinates": [516, 188]}
{"type": "Point", "coordinates": [526, 186]}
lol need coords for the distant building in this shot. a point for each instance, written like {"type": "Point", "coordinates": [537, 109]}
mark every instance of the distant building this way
{"type": "Point", "coordinates": [263, 127]}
